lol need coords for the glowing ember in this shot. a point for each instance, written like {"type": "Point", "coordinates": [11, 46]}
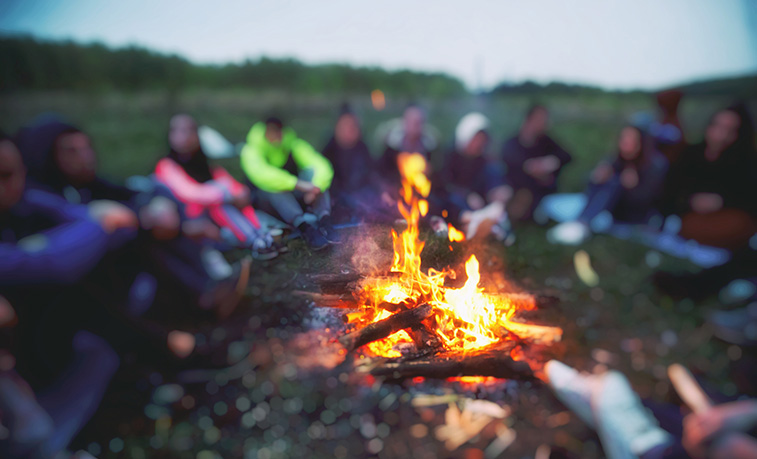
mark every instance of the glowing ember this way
{"type": "Point", "coordinates": [465, 318]}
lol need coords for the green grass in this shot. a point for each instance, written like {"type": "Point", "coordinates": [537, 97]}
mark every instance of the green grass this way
{"type": "Point", "coordinates": [319, 414]}
{"type": "Point", "coordinates": [129, 129]}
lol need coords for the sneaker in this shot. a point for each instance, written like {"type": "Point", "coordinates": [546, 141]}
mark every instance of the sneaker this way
{"type": "Point", "coordinates": [312, 236]}
{"type": "Point", "coordinates": [572, 388]}
{"type": "Point", "coordinates": [569, 233]}
{"type": "Point", "coordinates": [215, 264]}
{"type": "Point", "coordinates": [737, 327]}
{"type": "Point", "coordinates": [263, 247]}
{"type": "Point", "coordinates": [325, 225]}
{"type": "Point", "coordinates": [626, 429]}
{"type": "Point", "coordinates": [266, 253]}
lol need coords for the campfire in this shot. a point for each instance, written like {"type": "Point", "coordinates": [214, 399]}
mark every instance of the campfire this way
{"type": "Point", "coordinates": [415, 325]}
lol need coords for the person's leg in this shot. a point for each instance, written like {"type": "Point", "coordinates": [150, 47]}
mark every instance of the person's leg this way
{"type": "Point", "coordinates": [321, 207]}
{"type": "Point", "coordinates": [27, 422]}
{"type": "Point", "coordinates": [601, 197]}
{"type": "Point", "coordinates": [74, 397]}
{"type": "Point", "coordinates": [284, 204]}
{"type": "Point", "coordinates": [228, 216]}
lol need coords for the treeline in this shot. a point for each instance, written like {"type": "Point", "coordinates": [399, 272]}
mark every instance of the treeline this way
{"type": "Point", "coordinates": [30, 64]}
{"type": "Point", "coordinates": [744, 87]}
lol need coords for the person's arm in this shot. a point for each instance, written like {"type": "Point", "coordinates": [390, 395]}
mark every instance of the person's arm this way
{"type": "Point", "coordinates": [307, 158]}
{"type": "Point", "coordinates": [61, 255]}
{"type": "Point", "coordinates": [712, 428]}
{"type": "Point", "coordinates": [559, 153]}
{"type": "Point", "coordinates": [185, 187]}
{"type": "Point", "coordinates": [263, 175]}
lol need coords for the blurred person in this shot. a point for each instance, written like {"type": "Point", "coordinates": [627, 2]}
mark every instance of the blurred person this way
{"type": "Point", "coordinates": [212, 190]}
{"type": "Point", "coordinates": [61, 160]}
{"type": "Point", "coordinates": [46, 242]}
{"type": "Point", "coordinates": [629, 427]}
{"type": "Point", "coordinates": [410, 135]}
{"type": "Point", "coordinates": [292, 178]}
{"type": "Point", "coordinates": [629, 186]}
{"type": "Point", "coordinates": [470, 187]}
{"type": "Point", "coordinates": [355, 188]}
{"type": "Point", "coordinates": [712, 185]}
{"type": "Point", "coordinates": [68, 333]}
{"type": "Point", "coordinates": [534, 162]}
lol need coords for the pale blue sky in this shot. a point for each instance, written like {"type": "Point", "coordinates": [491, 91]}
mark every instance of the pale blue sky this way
{"type": "Point", "coordinates": [615, 44]}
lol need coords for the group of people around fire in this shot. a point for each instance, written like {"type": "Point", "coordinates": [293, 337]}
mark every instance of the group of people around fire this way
{"type": "Point", "coordinates": [91, 270]}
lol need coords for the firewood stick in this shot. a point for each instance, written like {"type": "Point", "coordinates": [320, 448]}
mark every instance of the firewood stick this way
{"type": "Point", "coordinates": [526, 301]}
{"type": "Point", "coordinates": [337, 278]}
{"type": "Point", "coordinates": [327, 300]}
{"type": "Point", "coordinates": [490, 363]}
{"type": "Point", "coordinates": [425, 339]}
{"type": "Point", "coordinates": [541, 334]}
{"type": "Point", "coordinates": [689, 389]}
{"type": "Point", "coordinates": [385, 327]}
{"type": "Point", "coordinates": [351, 317]}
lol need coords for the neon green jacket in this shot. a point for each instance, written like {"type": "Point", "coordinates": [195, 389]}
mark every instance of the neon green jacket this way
{"type": "Point", "coordinates": [263, 161]}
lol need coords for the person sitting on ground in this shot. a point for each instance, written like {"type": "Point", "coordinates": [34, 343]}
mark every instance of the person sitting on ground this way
{"type": "Point", "coordinates": [291, 178]}
{"type": "Point", "coordinates": [607, 403]}
{"type": "Point", "coordinates": [61, 160]}
{"type": "Point", "coordinates": [202, 189]}
{"type": "Point", "coordinates": [410, 135]}
{"type": "Point", "coordinates": [47, 245]}
{"type": "Point", "coordinates": [712, 185]}
{"type": "Point", "coordinates": [629, 187]}
{"type": "Point", "coordinates": [356, 187]}
{"type": "Point", "coordinates": [534, 162]}
{"type": "Point", "coordinates": [470, 187]}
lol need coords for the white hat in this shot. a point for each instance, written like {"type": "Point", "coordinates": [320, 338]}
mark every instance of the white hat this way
{"type": "Point", "coordinates": [470, 125]}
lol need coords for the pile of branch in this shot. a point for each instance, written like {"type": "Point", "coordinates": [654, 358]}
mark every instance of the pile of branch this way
{"type": "Point", "coordinates": [430, 359]}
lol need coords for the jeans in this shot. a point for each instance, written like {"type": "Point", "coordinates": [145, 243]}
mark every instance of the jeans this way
{"type": "Point", "coordinates": [290, 207]}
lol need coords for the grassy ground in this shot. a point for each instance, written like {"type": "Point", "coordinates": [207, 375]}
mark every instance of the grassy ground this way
{"type": "Point", "coordinates": [284, 409]}
{"type": "Point", "coordinates": [291, 406]}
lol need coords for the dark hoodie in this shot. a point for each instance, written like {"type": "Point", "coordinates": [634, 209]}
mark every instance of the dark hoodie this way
{"type": "Point", "coordinates": [37, 143]}
{"type": "Point", "coordinates": [733, 175]}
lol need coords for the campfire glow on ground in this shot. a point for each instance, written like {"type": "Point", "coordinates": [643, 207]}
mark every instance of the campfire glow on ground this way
{"type": "Point", "coordinates": [466, 318]}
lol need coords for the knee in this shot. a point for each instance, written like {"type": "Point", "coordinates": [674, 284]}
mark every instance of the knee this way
{"type": "Point", "coordinates": [97, 351]}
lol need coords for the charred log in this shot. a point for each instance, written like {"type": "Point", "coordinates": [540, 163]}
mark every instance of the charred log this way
{"type": "Point", "coordinates": [328, 300]}
{"type": "Point", "coordinates": [426, 340]}
{"type": "Point", "coordinates": [495, 363]}
{"type": "Point", "coordinates": [384, 328]}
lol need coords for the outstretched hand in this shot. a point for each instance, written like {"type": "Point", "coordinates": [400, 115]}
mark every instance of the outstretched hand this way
{"type": "Point", "coordinates": [112, 215]}
{"type": "Point", "coordinates": [711, 427]}
{"type": "Point", "coordinates": [161, 216]}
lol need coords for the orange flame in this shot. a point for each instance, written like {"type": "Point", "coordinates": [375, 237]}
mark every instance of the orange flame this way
{"type": "Point", "coordinates": [465, 318]}
{"type": "Point", "coordinates": [455, 235]}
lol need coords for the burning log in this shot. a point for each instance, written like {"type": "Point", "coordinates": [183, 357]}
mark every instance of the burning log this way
{"type": "Point", "coordinates": [426, 340]}
{"type": "Point", "coordinates": [540, 334]}
{"type": "Point", "coordinates": [384, 328]}
{"type": "Point", "coordinates": [495, 363]}
{"type": "Point", "coordinates": [351, 317]}
{"type": "Point", "coordinates": [326, 300]}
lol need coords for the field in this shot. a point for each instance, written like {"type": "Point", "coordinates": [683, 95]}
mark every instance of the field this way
{"type": "Point", "coordinates": [281, 410]}
{"type": "Point", "coordinates": [129, 130]}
